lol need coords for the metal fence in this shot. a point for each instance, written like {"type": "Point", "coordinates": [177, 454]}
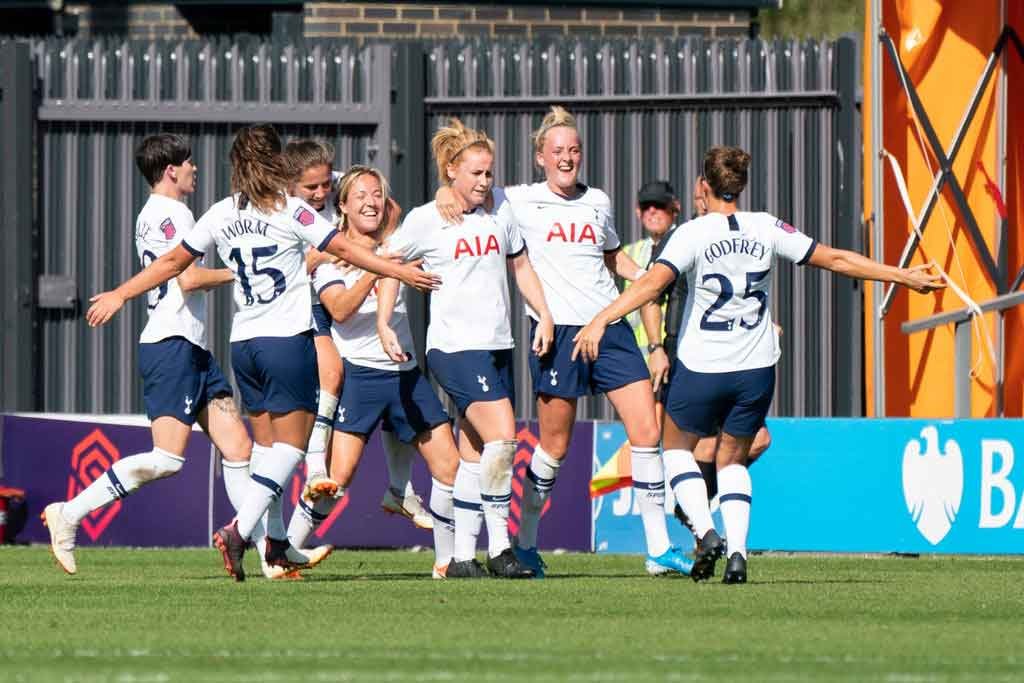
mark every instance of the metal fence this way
{"type": "Point", "coordinates": [646, 109]}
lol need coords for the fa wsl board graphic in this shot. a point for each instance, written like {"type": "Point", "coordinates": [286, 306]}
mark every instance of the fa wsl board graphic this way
{"type": "Point", "coordinates": [859, 485]}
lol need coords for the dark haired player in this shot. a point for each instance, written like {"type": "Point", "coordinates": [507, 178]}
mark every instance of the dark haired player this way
{"type": "Point", "coordinates": [724, 373]}
{"type": "Point", "coordinates": [182, 383]}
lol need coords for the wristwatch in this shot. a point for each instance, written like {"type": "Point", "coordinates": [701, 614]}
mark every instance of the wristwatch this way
{"type": "Point", "coordinates": [651, 348]}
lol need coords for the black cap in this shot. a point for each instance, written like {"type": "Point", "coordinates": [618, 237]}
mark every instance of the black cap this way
{"type": "Point", "coordinates": [656, 192]}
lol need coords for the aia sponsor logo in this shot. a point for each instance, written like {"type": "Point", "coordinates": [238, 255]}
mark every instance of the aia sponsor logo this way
{"type": "Point", "coordinates": [90, 459]}
{"type": "Point", "coordinates": [168, 229]}
{"type": "Point", "coordinates": [572, 233]}
{"type": "Point", "coordinates": [524, 454]}
{"type": "Point", "coordinates": [476, 247]}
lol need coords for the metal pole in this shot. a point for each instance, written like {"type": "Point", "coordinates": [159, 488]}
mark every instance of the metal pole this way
{"type": "Point", "coordinates": [962, 369]}
{"type": "Point", "coordinates": [18, 264]}
{"type": "Point", "coordinates": [877, 200]}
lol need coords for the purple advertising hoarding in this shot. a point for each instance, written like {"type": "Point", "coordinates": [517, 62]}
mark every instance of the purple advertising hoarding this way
{"type": "Point", "coordinates": [53, 459]}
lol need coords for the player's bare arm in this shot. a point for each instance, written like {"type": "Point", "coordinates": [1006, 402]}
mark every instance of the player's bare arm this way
{"type": "Point", "coordinates": [531, 289]}
{"type": "Point", "coordinates": [361, 257]}
{"type": "Point", "coordinates": [850, 263]}
{"type": "Point", "coordinates": [620, 263]}
{"type": "Point", "coordinates": [657, 360]}
{"type": "Point", "coordinates": [387, 295]}
{"type": "Point", "coordinates": [197, 278]}
{"type": "Point", "coordinates": [106, 304]}
{"type": "Point", "coordinates": [342, 302]}
{"type": "Point", "coordinates": [644, 290]}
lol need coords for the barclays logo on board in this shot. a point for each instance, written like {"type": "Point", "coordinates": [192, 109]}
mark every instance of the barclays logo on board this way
{"type": "Point", "coordinates": [933, 483]}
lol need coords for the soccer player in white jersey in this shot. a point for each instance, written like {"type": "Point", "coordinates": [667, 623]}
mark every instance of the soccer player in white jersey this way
{"type": "Point", "coordinates": [570, 233]}
{"type": "Point", "coordinates": [377, 387]}
{"type": "Point", "coordinates": [260, 232]}
{"type": "Point", "coordinates": [182, 382]}
{"type": "Point", "coordinates": [724, 373]}
{"type": "Point", "coordinates": [469, 340]}
{"type": "Point", "coordinates": [312, 163]}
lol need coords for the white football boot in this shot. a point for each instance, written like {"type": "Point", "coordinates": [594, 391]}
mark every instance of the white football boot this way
{"type": "Point", "coordinates": [410, 506]}
{"type": "Point", "coordinates": [62, 536]}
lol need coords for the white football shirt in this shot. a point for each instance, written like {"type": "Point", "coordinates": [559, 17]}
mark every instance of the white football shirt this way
{"type": "Point", "coordinates": [356, 337]}
{"type": "Point", "coordinates": [568, 239]}
{"type": "Point", "coordinates": [727, 262]}
{"type": "Point", "coordinates": [470, 311]}
{"type": "Point", "coordinates": [161, 225]}
{"type": "Point", "coordinates": [266, 253]}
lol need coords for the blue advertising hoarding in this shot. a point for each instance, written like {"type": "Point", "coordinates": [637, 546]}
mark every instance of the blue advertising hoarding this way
{"type": "Point", "coordinates": [865, 485]}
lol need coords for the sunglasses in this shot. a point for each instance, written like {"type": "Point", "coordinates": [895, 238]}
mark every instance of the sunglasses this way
{"type": "Point", "coordinates": [655, 205]}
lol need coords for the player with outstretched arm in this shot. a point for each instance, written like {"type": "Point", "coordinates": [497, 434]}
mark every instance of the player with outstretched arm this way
{"type": "Point", "coordinates": [724, 373]}
{"type": "Point", "coordinates": [181, 381]}
{"type": "Point", "coordinates": [260, 233]}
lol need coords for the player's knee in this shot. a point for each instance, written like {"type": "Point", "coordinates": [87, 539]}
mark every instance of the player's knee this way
{"type": "Point", "coordinates": [237, 449]}
{"type": "Point", "coordinates": [645, 435]}
{"type": "Point", "coordinates": [159, 464]}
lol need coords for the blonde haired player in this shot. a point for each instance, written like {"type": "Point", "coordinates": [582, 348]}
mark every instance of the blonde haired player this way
{"type": "Point", "coordinates": [724, 373]}
{"type": "Point", "coordinates": [570, 233]}
{"type": "Point", "coordinates": [260, 233]}
{"type": "Point", "coordinates": [469, 340]}
{"type": "Point", "coordinates": [376, 387]}
{"type": "Point", "coordinates": [312, 164]}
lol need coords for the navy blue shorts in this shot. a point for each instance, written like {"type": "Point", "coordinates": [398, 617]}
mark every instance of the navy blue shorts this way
{"type": "Point", "coordinates": [471, 376]}
{"type": "Point", "coordinates": [404, 399]}
{"type": "Point", "coordinates": [179, 379]}
{"type": "Point", "coordinates": [276, 374]}
{"type": "Point", "coordinates": [321, 321]}
{"type": "Point", "coordinates": [619, 362]}
{"type": "Point", "coordinates": [705, 403]}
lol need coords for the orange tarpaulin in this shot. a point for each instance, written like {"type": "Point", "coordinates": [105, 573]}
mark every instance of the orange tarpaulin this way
{"type": "Point", "coordinates": [944, 47]}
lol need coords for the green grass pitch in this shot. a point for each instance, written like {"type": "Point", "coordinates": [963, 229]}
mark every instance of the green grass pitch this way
{"type": "Point", "coordinates": [174, 615]}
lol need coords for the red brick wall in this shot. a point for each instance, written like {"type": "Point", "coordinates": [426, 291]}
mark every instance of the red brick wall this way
{"type": "Point", "coordinates": [329, 20]}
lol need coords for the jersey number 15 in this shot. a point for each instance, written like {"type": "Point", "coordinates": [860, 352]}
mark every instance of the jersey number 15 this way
{"type": "Point", "coordinates": [243, 277]}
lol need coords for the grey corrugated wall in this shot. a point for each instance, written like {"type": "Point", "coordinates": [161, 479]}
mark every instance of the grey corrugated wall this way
{"type": "Point", "coordinates": [647, 109]}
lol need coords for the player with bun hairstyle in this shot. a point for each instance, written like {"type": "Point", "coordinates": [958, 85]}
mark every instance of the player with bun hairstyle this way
{"type": "Point", "coordinates": [724, 374]}
{"type": "Point", "coordinates": [469, 339]}
{"type": "Point", "coordinates": [376, 387]}
{"type": "Point", "coordinates": [312, 167]}
{"type": "Point", "coordinates": [570, 233]}
{"type": "Point", "coordinates": [260, 233]}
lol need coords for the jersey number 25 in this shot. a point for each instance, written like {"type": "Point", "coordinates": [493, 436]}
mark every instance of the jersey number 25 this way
{"type": "Point", "coordinates": [726, 292]}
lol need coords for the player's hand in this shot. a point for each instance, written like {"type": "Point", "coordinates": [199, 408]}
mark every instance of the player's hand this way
{"type": "Point", "coordinates": [414, 276]}
{"type": "Point", "coordinates": [920, 278]}
{"type": "Point", "coordinates": [588, 341]}
{"type": "Point", "coordinates": [316, 258]}
{"type": "Point", "coordinates": [659, 366]}
{"type": "Point", "coordinates": [392, 347]}
{"type": "Point", "coordinates": [543, 336]}
{"type": "Point", "coordinates": [448, 205]}
{"type": "Point", "coordinates": [104, 306]}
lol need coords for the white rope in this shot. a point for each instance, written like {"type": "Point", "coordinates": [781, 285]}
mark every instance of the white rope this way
{"type": "Point", "coordinates": [977, 315]}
